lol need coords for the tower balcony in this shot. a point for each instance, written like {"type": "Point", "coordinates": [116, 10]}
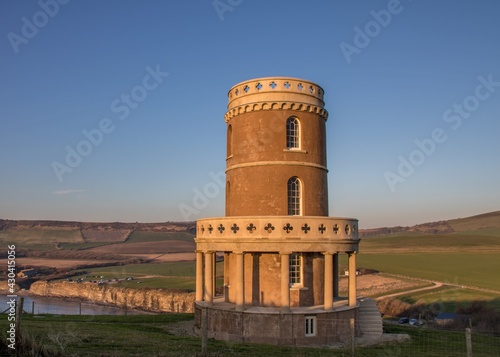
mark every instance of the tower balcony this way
{"type": "Point", "coordinates": [307, 233]}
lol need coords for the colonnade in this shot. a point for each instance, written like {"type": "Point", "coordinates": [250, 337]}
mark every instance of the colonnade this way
{"type": "Point", "coordinates": [205, 279]}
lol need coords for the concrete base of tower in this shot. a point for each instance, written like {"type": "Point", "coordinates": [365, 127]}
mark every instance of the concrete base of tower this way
{"type": "Point", "coordinates": [303, 326]}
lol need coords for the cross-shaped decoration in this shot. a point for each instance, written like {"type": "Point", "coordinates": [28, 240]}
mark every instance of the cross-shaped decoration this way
{"type": "Point", "coordinates": [251, 228]}
{"type": "Point", "coordinates": [235, 228]}
{"type": "Point", "coordinates": [288, 227]}
{"type": "Point", "coordinates": [306, 228]}
{"type": "Point", "coordinates": [347, 229]}
{"type": "Point", "coordinates": [210, 228]}
{"type": "Point", "coordinates": [221, 228]}
{"type": "Point", "coordinates": [353, 228]}
{"type": "Point", "coordinates": [321, 228]}
{"type": "Point", "coordinates": [336, 228]}
{"type": "Point", "coordinates": [269, 227]}
{"type": "Point", "coordinates": [202, 229]}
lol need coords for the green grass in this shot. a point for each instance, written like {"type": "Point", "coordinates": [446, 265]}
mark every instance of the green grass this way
{"type": "Point", "coordinates": [476, 222]}
{"type": "Point", "coordinates": [162, 269]}
{"type": "Point", "coordinates": [152, 335]}
{"type": "Point", "coordinates": [488, 232]}
{"type": "Point", "coordinates": [474, 269]}
{"type": "Point", "coordinates": [428, 242]}
{"type": "Point", "coordinates": [449, 298]}
{"type": "Point", "coordinates": [143, 236]}
{"type": "Point", "coordinates": [88, 245]}
{"type": "Point", "coordinates": [174, 275]}
{"type": "Point", "coordinates": [34, 238]}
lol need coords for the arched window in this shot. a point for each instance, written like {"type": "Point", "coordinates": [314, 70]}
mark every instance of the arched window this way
{"type": "Point", "coordinates": [229, 140]}
{"type": "Point", "coordinates": [228, 202]}
{"type": "Point", "coordinates": [292, 133]}
{"type": "Point", "coordinates": [294, 196]}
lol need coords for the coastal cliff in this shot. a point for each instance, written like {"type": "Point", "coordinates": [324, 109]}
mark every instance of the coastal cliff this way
{"type": "Point", "coordinates": [156, 300]}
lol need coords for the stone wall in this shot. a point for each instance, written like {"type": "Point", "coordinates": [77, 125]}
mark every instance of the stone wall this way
{"type": "Point", "coordinates": [287, 329]}
{"type": "Point", "coordinates": [157, 300]}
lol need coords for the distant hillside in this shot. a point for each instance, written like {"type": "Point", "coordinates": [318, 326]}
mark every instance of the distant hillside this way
{"type": "Point", "coordinates": [481, 221]}
{"type": "Point", "coordinates": [98, 226]}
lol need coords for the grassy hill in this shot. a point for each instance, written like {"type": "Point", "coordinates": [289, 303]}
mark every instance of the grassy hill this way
{"type": "Point", "coordinates": [489, 222]}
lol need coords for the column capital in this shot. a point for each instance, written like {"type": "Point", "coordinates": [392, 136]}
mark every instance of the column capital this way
{"type": "Point", "coordinates": [285, 253]}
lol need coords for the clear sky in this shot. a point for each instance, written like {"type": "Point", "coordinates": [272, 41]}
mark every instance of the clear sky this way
{"type": "Point", "coordinates": [114, 110]}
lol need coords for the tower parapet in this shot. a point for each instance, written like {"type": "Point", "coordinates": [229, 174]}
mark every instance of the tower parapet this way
{"type": "Point", "coordinates": [275, 93]}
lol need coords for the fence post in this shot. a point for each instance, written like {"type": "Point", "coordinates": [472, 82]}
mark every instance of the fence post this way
{"type": "Point", "coordinates": [33, 307]}
{"type": "Point", "coordinates": [19, 313]}
{"type": "Point", "coordinates": [468, 341]}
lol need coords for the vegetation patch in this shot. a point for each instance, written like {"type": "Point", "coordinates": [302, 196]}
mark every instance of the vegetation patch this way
{"type": "Point", "coordinates": [145, 236]}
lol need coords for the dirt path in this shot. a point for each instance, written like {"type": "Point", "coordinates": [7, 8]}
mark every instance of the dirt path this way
{"type": "Point", "coordinates": [435, 286]}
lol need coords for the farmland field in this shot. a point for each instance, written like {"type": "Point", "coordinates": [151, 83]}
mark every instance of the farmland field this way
{"type": "Point", "coordinates": [173, 275]}
{"type": "Point", "coordinates": [473, 269]}
{"type": "Point", "coordinates": [448, 298]}
{"type": "Point", "coordinates": [144, 236]}
{"type": "Point", "coordinates": [33, 238]}
{"type": "Point", "coordinates": [432, 242]}
{"type": "Point", "coordinates": [152, 247]}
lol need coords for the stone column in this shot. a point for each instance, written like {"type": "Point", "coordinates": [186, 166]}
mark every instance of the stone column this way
{"type": "Point", "coordinates": [335, 275]}
{"type": "Point", "coordinates": [352, 279]}
{"type": "Point", "coordinates": [240, 297]}
{"type": "Point", "coordinates": [285, 281]}
{"type": "Point", "coordinates": [199, 276]}
{"type": "Point", "coordinates": [209, 277]}
{"type": "Point", "coordinates": [328, 287]}
{"type": "Point", "coordinates": [214, 272]}
{"type": "Point", "coordinates": [226, 276]}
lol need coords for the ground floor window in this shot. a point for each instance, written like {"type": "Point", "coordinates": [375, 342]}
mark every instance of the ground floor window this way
{"type": "Point", "coordinates": [310, 325]}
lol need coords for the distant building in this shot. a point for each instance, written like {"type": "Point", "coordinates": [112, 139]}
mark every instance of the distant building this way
{"type": "Point", "coordinates": [280, 247]}
{"type": "Point", "coordinates": [26, 273]}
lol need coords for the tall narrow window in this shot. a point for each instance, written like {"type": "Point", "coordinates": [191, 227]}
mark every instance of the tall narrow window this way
{"type": "Point", "coordinates": [229, 140]}
{"type": "Point", "coordinates": [292, 133]}
{"type": "Point", "coordinates": [228, 202]}
{"type": "Point", "coordinates": [294, 196]}
{"type": "Point", "coordinates": [294, 269]}
{"type": "Point", "coordinates": [310, 328]}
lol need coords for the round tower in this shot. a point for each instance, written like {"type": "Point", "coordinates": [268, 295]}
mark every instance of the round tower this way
{"type": "Point", "coordinates": [275, 139]}
{"type": "Point", "coordinates": [279, 246]}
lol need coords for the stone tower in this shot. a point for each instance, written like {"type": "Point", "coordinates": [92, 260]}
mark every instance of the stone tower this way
{"type": "Point", "coordinates": [280, 249]}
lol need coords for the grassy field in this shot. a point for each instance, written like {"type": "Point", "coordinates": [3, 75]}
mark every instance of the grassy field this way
{"type": "Point", "coordinates": [157, 335]}
{"type": "Point", "coordinates": [174, 275]}
{"type": "Point", "coordinates": [474, 269]}
{"type": "Point", "coordinates": [39, 238]}
{"type": "Point", "coordinates": [480, 240]}
{"type": "Point", "coordinates": [476, 222]}
{"type": "Point", "coordinates": [449, 298]}
{"type": "Point", "coordinates": [143, 236]}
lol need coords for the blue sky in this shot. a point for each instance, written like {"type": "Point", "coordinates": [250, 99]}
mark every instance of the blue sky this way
{"type": "Point", "coordinates": [412, 88]}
